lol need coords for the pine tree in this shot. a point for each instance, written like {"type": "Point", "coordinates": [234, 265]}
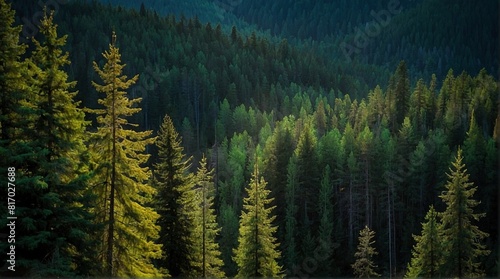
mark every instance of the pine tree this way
{"type": "Point", "coordinates": [290, 239]}
{"type": "Point", "coordinates": [206, 256]}
{"type": "Point", "coordinates": [363, 266]}
{"type": "Point", "coordinates": [11, 77]}
{"type": "Point", "coordinates": [427, 252]}
{"type": "Point", "coordinates": [398, 97]}
{"type": "Point", "coordinates": [228, 220]}
{"type": "Point", "coordinates": [128, 246]}
{"type": "Point", "coordinates": [460, 237]}
{"type": "Point", "coordinates": [257, 251]}
{"type": "Point", "coordinates": [53, 175]}
{"type": "Point", "coordinates": [174, 201]}
{"type": "Point", "coordinates": [325, 234]}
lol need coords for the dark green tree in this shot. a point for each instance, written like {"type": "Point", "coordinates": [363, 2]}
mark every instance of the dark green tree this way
{"type": "Point", "coordinates": [257, 253]}
{"type": "Point", "coordinates": [290, 239]}
{"type": "Point", "coordinates": [364, 267]}
{"type": "Point", "coordinates": [128, 241]}
{"type": "Point", "coordinates": [461, 238]}
{"type": "Point", "coordinates": [51, 162]}
{"type": "Point", "coordinates": [427, 254]}
{"type": "Point", "coordinates": [174, 185]}
{"type": "Point", "coordinates": [401, 93]}
{"type": "Point", "coordinates": [325, 247]}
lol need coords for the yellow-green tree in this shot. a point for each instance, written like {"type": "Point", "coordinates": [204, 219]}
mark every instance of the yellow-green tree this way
{"type": "Point", "coordinates": [206, 256]}
{"type": "Point", "coordinates": [257, 252]}
{"type": "Point", "coordinates": [11, 77]}
{"type": "Point", "coordinates": [128, 241]}
{"type": "Point", "coordinates": [461, 238]}
{"type": "Point", "coordinates": [428, 251]}
{"type": "Point", "coordinates": [364, 267]}
{"type": "Point", "coordinates": [49, 157]}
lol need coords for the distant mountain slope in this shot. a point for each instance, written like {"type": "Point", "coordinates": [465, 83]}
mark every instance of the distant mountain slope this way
{"type": "Point", "coordinates": [205, 10]}
{"type": "Point", "coordinates": [431, 35]}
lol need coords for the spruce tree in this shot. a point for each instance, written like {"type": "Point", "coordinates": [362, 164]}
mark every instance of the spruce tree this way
{"type": "Point", "coordinates": [51, 164]}
{"type": "Point", "coordinates": [11, 77]}
{"type": "Point", "coordinates": [427, 252]}
{"type": "Point", "coordinates": [460, 237]}
{"type": "Point", "coordinates": [364, 266]}
{"type": "Point", "coordinates": [257, 251]}
{"type": "Point", "coordinates": [290, 240]}
{"type": "Point", "coordinates": [206, 256]}
{"type": "Point", "coordinates": [174, 200]}
{"type": "Point", "coordinates": [325, 233]}
{"type": "Point", "coordinates": [128, 242]}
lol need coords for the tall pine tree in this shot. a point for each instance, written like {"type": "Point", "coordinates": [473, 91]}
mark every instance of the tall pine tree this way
{"type": "Point", "coordinates": [51, 164]}
{"type": "Point", "coordinates": [174, 201]}
{"type": "Point", "coordinates": [325, 233]}
{"type": "Point", "coordinates": [206, 256]}
{"type": "Point", "coordinates": [461, 238]}
{"type": "Point", "coordinates": [128, 242]}
{"type": "Point", "coordinates": [257, 251]}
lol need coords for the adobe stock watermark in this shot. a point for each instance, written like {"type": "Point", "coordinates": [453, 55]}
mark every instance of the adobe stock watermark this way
{"type": "Point", "coordinates": [372, 29]}
{"type": "Point", "coordinates": [30, 26]}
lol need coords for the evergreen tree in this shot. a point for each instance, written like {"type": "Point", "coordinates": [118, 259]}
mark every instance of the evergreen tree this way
{"type": "Point", "coordinates": [257, 251]}
{"type": "Point", "coordinates": [363, 266]}
{"type": "Point", "coordinates": [228, 220]}
{"type": "Point", "coordinates": [174, 185]}
{"type": "Point", "coordinates": [121, 178]}
{"type": "Point", "coordinates": [325, 233]}
{"type": "Point", "coordinates": [427, 252]}
{"type": "Point", "coordinates": [206, 257]}
{"type": "Point", "coordinates": [402, 93]}
{"type": "Point", "coordinates": [51, 164]}
{"type": "Point", "coordinates": [461, 238]}
{"type": "Point", "coordinates": [290, 253]}
{"type": "Point", "coordinates": [11, 77]}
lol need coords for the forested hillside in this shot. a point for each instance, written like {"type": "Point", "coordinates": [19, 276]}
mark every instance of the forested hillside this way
{"type": "Point", "coordinates": [138, 143]}
{"type": "Point", "coordinates": [431, 35]}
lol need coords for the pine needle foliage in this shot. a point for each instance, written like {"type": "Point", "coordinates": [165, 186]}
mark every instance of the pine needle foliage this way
{"type": "Point", "coordinates": [257, 252]}
{"type": "Point", "coordinates": [121, 179]}
{"type": "Point", "coordinates": [427, 252]}
{"type": "Point", "coordinates": [460, 236]}
{"type": "Point", "coordinates": [364, 267]}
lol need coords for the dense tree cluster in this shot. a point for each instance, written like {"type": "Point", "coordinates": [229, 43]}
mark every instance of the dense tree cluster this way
{"type": "Point", "coordinates": [386, 31]}
{"type": "Point", "coordinates": [301, 157]}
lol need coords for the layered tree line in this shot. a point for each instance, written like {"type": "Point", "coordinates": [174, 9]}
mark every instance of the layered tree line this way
{"type": "Point", "coordinates": [412, 30]}
{"type": "Point", "coordinates": [117, 185]}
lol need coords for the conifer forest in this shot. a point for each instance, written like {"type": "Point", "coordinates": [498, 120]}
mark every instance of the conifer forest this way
{"type": "Point", "coordinates": [249, 138]}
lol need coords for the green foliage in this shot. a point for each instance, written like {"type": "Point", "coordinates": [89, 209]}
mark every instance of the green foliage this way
{"type": "Point", "coordinates": [206, 255]}
{"type": "Point", "coordinates": [12, 85]}
{"type": "Point", "coordinates": [239, 93]}
{"type": "Point", "coordinates": [325, 232]}
{"type": "Point", "coordinates": [461, 238]}
{"type": "Point", "coordinates": [50, 160]}
{"type": "Point", "coordinates": [128, 245]}
{"type": "Point", "coordinates": [228, 237]}
{"type": "Point", "coordinates": [363, 266]}
{"type": "Point", "coordinates": [257, 251]}
{"type": "Point", "coordinates": [290, 254]}
{"type": "Point", "coordinates": [427, 253]}
{"type": "Point", "coordinates": [174, 201]}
